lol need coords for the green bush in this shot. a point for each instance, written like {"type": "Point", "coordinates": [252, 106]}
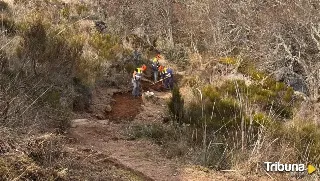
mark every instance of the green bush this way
{"type": "Point", "coordinates": [249, 69]}
{"type": "Point", "coordinates": [222, 113]}
{"type": "Point", "coordinates": [154, 131]}
{"type": "Point", "coordinates": [212, 93]}
{"type": "Point", "coordinates": [232, 87]}
{"type": "Point", "coordinates": [272, 94]}
{"type": "Point", "coordinates": [107, 46]}
{"type": "Point", "coordinates": [228, 60]}
{"type": "Point", "coordinates": [176, 106]}
{"type": "Point", "coordinates": [53, 97]}
{"type": "Point", "coordinates": [65, 12]}
{"type": "Point", "coordinates": [262, 119]}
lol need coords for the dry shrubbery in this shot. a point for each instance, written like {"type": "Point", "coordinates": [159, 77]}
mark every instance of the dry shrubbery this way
{"type": "Point", "coordinates": [44, 76]}
{"type": "Point", "coordinates": [237, 126]}
{"type": "Point", "coordinates": [54, 63]}
{"type": "Point", "coordinates": [30, 158]}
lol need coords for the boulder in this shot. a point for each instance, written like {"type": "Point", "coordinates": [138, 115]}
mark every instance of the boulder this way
{"type": "Point", "coordinates": [292, 79]}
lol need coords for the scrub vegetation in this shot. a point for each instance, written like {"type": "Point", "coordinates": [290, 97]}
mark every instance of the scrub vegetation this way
{"type": "Point", "coordinates": [246, 86]}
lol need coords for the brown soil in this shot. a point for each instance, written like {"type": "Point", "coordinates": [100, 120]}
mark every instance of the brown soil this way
{"type": "Point", "coordinates": [125, 107]}
{"type": "Point", "coordinates": [147, 86]}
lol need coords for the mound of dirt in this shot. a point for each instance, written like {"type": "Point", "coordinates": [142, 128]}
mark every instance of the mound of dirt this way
{"type": "Point", "coordinates": [146, 86]}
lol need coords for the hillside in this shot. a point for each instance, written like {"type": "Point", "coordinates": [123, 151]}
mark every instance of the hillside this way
{"type": "Point", "coordinates": [246, 89]}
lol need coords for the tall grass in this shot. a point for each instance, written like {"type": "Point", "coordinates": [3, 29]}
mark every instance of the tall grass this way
{"type": "Point", "coordinates": [228, 129]}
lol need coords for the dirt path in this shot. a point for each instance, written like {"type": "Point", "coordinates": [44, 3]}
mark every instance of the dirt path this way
{"type": "Point", "coordinates": [107, 136]}
{"type": "Point", "coordinates": [105, 140]}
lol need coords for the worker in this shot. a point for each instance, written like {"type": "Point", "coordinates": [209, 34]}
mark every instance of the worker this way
{"type": "Point", "coordinates": [167, 77]}
{"type": "Point", "coordinates": [136, 80]}
{"type": "Point", "coordinates": [155, 66]}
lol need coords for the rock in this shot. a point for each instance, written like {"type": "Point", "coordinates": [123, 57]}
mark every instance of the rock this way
{"type": "Point", "coordinates": [292, 79]}
{"type": "Point", "coordinates": [106, 121]}
{"type": "Point", "coordinates": [300, 95]}
{"type": "Point", "coordinates": [99, 117]}
{"type": "Point", "coordinates": [149, 94]}
{"type": "Point", "coordinates": [108, 109]}
{"type": "Point", "coordinates": [63, 173]}
{"type": "Point", "coordinates": [100, 25]}
{"type": "Point", "coordinates": [77, 122]}
{"type": "Point", "coordinates": [165, 119]}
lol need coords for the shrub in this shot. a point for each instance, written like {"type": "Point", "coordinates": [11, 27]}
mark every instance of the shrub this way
{"type": "Point", "coordinates": [262, 119]}
{"type": "Point", "coordinates": [178, 55]}
{"type": "Point", "coordinates": [45, 149]}
{"type": "Point", "coordinates": [53, 52]}
{"type": "Point", "coordinates": [176, 106]}
{"type": "Point", "coordinates": [3, 6]}
{"type": "Point", "coordinates": [8, 25]}
{"type": "Point", "coordinates": [4, 62]}
{"type": "Point", "coordinates": [106, 45]}
{"type": "Point", "coordinates": [24, 168]}
{"type": "Point", "coordinates": [129, 67]}
{"type": "Point", "coordinates": [214, 157]}
{"type": "Point", "coordinates": [249, 69]}
{"type": "Point", "coordinates": [228, 60]}
{"type": "Point", "coordinates": [35, 39]}
{"type": "Point", "coordinates": [82, 99]}
{"type": "Point", "coordinates": [272, 94]}
{"type": "Point", "coordinates": [81, 9]}
{"type": "Point", "coordinates": [304, 136]}
{"type": "Point", "coordinates": [53, 98]}
{"type": "Point", "coordinates": [233, 88]}
{"type": "Point", "coordinates": [54, 58]}
{"type": "Point", "coordinates": [65, 12]}
{"type": "Point", "coordinates": [153, 131]}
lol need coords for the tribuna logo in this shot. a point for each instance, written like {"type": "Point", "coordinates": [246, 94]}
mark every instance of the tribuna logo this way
{"type": "Point", "coordinates": [278, 167]}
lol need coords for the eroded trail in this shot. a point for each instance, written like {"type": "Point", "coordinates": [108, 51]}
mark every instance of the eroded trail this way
{"type": "Point", "coordinates": [104, 137]}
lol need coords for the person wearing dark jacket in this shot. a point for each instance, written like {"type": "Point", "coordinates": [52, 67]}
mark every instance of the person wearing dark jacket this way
{"type": "Point", "coordinates": [167, 76]}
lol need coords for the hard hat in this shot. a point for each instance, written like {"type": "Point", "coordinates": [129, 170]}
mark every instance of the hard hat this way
{"type": "Point", "coordinates": [144, 67]}
{"type": "Point", "coordinates": [158, 56]}
{"type": "Point", "coordinates": [160, 68]}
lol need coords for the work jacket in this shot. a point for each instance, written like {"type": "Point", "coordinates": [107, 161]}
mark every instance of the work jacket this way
{"type": "Point", "coordinates": [138, 74]}
{"type": "Point", "coordinates": [155, 64]}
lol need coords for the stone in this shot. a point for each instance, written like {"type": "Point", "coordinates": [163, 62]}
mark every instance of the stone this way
{"type": "Point", "coordinates": [292, 79]}
{"type": "Point", "coordinates": [108, 109]}
{"type": "Point", "coordinates": [78, 122]}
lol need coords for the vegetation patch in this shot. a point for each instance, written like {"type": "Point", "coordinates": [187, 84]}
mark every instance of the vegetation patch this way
{"type": "Point", "coordinates": [106, 45]}
{"type": "Point", "coordinates": [4, 6]}
{"type": "Point", "coordinates": [228, 60]}
{"type": "Point", "coordinates": [8, 25]}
